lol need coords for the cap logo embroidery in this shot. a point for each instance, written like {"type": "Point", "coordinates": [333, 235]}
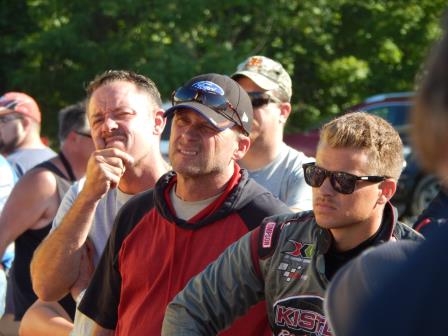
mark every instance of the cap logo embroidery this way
{"type": "Point", "coordinates": [255, 62]}
{"type": "Point", "coordinates": [208, 86]}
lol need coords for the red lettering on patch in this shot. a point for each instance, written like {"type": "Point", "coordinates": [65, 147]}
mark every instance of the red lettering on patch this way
{"type": "Point", "coordinates": [267, 234]}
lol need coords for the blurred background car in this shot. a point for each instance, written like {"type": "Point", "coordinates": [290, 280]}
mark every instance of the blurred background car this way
{"type": "Point", "coordinates": [415, 188]}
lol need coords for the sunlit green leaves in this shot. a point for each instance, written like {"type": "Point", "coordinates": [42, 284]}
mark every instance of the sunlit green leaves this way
{"type": "Point", "coordinates": [337, 51]}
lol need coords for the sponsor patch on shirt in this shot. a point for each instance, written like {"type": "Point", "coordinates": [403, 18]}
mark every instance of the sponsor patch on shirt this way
{"type": "Point", "coordinates": [300, 249]}
{"type": "Point", "coordinates": [268, 234]}
{"type": "Point", "coordinates": [295, 260]}
{"type": "Point", "coordinates": [300, 315]}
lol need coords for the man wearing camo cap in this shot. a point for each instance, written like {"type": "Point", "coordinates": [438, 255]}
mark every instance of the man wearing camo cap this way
{"type": "Point", "coordinates": [269, 160]}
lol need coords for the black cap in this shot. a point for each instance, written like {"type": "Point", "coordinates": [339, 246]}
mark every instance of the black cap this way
{"type": "Point", "coordinates": [221, 85]}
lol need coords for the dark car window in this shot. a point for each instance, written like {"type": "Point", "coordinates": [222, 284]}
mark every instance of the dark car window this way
{"type": "Point", "coordinates": [397, 115]}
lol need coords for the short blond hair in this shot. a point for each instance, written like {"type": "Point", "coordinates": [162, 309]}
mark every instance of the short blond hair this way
{"type": "Point", "coordinates": [368, 132]}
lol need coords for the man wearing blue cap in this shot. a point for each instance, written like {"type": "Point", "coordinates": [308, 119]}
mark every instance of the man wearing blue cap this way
{"type": "Point", "coordinates": [165, 236]}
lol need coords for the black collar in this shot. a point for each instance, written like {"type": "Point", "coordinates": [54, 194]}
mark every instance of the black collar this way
{"type": "Point", "coordinates": [67, 166]}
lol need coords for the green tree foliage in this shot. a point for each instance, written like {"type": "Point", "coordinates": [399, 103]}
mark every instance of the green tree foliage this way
{"type": "Point", "coordinates": [337, 51]}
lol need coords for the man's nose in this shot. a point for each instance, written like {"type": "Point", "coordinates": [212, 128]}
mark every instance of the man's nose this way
{"type": "Point", "coordinates": [109, 124]}
{"type": "Point", "coordinates": [326, 188]}
{"type": "Point", "coordinates": [191, 131]}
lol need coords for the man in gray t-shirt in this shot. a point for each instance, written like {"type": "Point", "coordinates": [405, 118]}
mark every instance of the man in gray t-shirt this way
{"type": "Point", "coordinates": [126, 120]}
{"type": "Point", "coordinates": [271, 162]}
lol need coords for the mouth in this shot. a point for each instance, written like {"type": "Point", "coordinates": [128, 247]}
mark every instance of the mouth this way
{"type": "Point", "coordinates": [187, 149]}
{"type": "Point", "coordinates": [324, 206]}
{"type": "Point", "coordinates": [113, 141]}
{"type": "Point", "coordinates": [188, 152]}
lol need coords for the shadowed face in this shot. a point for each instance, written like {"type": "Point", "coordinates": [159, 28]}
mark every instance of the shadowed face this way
{"type": "Point", "coordinates": [197, 148]}
{"type": "Point", "coordinates": [336, 210]}
{"type": "Point", "coordinates": [266, 117]}
{"type": "Point", "coordinates": [12, 132]}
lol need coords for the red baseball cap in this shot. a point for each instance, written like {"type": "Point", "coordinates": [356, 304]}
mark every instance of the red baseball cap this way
{"type": "Point", "coordinates": [21, 103]}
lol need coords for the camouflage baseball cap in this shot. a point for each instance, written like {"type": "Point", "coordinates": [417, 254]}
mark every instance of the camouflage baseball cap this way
{"type": "Point", "coordinates": [266, 73]}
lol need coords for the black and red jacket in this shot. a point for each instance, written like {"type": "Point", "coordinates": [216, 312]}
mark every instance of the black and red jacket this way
{"type": "Point", "coordinates": [151, 254]}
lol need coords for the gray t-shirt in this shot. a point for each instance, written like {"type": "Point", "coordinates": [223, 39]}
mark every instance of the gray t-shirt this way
{"type": "Point", "coordinates": [104, 215]}
{"type": "Point", "coordinates": [186, 210]}
{"type": "Point", "coordinates": [284, 178]}
{"type": "Point", "coordinates": [102, 224]}
{"type": "Point", "coordinates": [24, 159]}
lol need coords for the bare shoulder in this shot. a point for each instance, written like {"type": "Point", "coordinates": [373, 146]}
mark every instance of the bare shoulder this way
{"type": "Point", "coordinates": [39, 180]}
{"type": "Point", "coordinates": [35, 193]}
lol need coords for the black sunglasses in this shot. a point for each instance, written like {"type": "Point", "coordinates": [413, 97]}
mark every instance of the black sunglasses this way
{"type": "Point", "coordinates": [259, 99]}
{"type": "Point", "coordinates": [216, 102]}
{"type": "Point", "coordinates": [85, 134]}
{"type": "Point", "coordinates": [9, 117]}
{"type": "Point", "coordinates": [343, 183]}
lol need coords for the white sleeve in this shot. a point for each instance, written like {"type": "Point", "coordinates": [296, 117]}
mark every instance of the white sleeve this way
{"type": "Point", "coordinates": [67, 202]}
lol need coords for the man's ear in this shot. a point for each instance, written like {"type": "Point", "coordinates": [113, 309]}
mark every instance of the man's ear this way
{"type": "Point", "coordinates": [285, 111]}
{"type": "Point", "coordinates": [243, 145]}
{"type": "Point", "coordinates": [387, 190]}
{"type": "Point", "coordinates": [73, 137]}
{"type": "Point", "coordinates": [159, 122]}
{"type": "Point", "coordinates": [26, 122]}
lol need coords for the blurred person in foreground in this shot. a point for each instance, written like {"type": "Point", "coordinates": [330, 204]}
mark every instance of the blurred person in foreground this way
{"type": "Point", "coordinates": [290, 259]}
{"type": "Point", "coordinates": [270, 161]}
{"type": "Point", "coordinates": [165, 236]}
{"type": "Point", "coordinates": [409, 294]}
{"type": "Point", "coordinates": [126, 121]}
{"type": "Point", "coordinates": [435, 214]}
{"type": "Point", "coordinates": [20, 141]}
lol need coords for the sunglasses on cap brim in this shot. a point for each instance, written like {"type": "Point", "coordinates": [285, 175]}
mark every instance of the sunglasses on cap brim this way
{"type": "Point", "coordinates": [344, 183]}
{"type": "Point", "coordinates": [216, 102]}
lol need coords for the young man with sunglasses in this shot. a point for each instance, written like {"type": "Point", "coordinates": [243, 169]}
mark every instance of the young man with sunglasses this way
{"type": "Point", "coordinates": [409, 296]}
{"type": "Point", "coordinates": [271, 162]}
{"type": "Point", "coordinates": [165, 236]}
{"type": "Point", "coordinates": [290, 259]}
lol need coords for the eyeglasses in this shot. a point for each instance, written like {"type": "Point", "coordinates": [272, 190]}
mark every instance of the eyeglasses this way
{"type": "Point", "coordinates": [259, 99]}
{"type": "Point", "coordinates": [9, 117]}
{"type": "Point", "coordinates": [85, 134]}
{"type": "Point", "coordinates": [216, 102]}
{"type": "Point", "coordinates": [343, 183]}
